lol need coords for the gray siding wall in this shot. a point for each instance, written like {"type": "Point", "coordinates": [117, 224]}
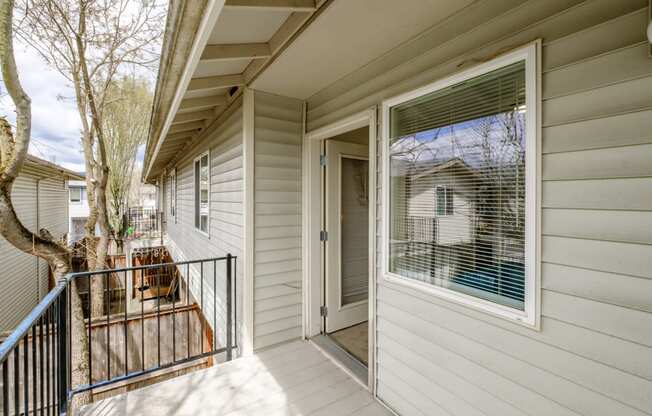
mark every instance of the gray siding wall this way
{"type": "Point", "coordinates": [277, 219]}
{"type": "Point", "coordinates": [25, 277]}
{"type": "Point", "coordinates": [593, 355]}
{"type": "Point", "coordinates": [226, 215]}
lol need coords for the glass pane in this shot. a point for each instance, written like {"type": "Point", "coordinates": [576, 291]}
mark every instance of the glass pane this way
{"type": "Point", "coordinates": [354, 211]}
{"type": "Point", "coordinates": [457, 187]}
{"type": "Point", "coordinates": [75, 194]}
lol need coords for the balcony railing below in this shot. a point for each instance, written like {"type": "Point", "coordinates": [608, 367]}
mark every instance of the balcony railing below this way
{"type": "Point", "coordinates": [36, 361]}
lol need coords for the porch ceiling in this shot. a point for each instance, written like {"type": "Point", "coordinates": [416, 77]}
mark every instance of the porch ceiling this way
{"type": "Point", "coordinates": [292, 48]}
{"type": "Point", "coordinates": [347, 36]}
{"type": "Point", "coordinates": [244, 37]}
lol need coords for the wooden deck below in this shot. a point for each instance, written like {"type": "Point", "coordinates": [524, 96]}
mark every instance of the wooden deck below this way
{"type": "Point", "coordinates": [292, 379]}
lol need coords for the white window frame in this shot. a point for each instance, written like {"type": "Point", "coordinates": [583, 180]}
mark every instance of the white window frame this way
{"type": "Point", "coordinates": [197, 196]}
{"type": "Point", "coordinates": [448, 190]}
{"type": "Point", "coordinates": [81, 194]}
{"type": "Point", "coordinates": [530, 315]}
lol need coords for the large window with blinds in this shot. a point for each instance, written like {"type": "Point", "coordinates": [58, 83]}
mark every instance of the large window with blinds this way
{"type": "Point", "coordinates": [460, 182]}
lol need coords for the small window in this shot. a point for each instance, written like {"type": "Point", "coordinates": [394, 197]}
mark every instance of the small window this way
{"type": "Point", "coordinates": [460, 187]}
{"type": "Point", "coordinates": [444, 200]}
{"type": "Point", "coordinates": [75, 194]}
{"type": "Point", "coordinates": [202, 191]}
{"type": "Point", "coordinates": [172, 193]}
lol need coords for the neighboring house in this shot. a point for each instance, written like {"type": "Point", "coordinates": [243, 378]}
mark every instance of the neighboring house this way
{"type": "Point", "coordinates": [549, 310]}
{"type": "Point", "coordinates": [40, 197]}
{"type": "Point", "coordinates": [78, 210]}
{"type": "Point", "coordinates": [145, 197]}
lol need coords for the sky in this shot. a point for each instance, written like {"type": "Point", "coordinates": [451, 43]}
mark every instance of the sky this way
{"type": "Point", "coordinates": [56, 124]}
{"type": "Point", "coordinates": [55, 120]}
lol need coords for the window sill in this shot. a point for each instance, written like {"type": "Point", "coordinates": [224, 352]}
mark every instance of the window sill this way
{"type": "Point", "coordinates": [481, 305]}
{"type": "Point", "coordinates": [204, 233]}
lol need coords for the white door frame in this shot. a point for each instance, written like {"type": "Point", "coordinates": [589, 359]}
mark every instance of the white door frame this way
{"type": "Point", "coordinates": [312, 221]}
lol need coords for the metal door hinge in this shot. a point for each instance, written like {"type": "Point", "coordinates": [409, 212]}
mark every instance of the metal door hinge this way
{"type": "Point", "coordinates": [323, 311]}
{"type": "Point", "coordinates": [323, 235]}
{"type": "Point", "coordinates": [323, 160]}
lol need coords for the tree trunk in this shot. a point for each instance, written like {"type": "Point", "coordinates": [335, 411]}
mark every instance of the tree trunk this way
{"type": "Point", "coordinates": [13, 152]}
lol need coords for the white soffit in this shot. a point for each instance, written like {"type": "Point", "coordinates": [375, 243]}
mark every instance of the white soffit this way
{"type": "Point", "coordinates": [246, 26]}
{"type": "Point", "coordinates": [345, 37]}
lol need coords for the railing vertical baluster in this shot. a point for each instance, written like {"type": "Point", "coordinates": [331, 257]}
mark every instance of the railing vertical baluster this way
{"type": "Point", "coordinates": [125, 325]}
{"type": "Point", "coordinates": [142, 320]}
{"type": "Point", "coordinates": [158, 313]}
{"type": "Point", "coordinates": [34, 382]}
{"type": "Point", "coordinates": [55, 358]}
{"type": "Point", "coordinates": [174, 315]}
{"type": "Point", "coordinates": [214, 305]}
{"type": "Point", "coordinates": [26, 373]}
{"type": "Point", "coordinates": [16, 380]}
{"type": "Point", "coordinates": [68, 306]}
{"type": "Point", "coordinates": [47, 361]}
{"type": "Point", "coordinates": [108, 327]}
{"type": "Point", "coordinates": [5, 388]}
{"type": "Point", "coordinates": [188, 308]}
{"type": "Point", "coordinates": [41, 362]}
{"type": "Point", "coordinates": [235, 301]}
{"type": "Point", "coordinates": [62, 349]}
{"type": "Point", "coordinates": [229, 329]}
{"type": "Point", "coordinates": [201, 318]}
{"type": "Point", "coordinates": [90, 335]}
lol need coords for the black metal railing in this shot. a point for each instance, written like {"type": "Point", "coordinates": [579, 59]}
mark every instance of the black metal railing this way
{"type": "Point", "coordinates": [131, 338]}
{"type": "Point", "coordinates": [144, 222]}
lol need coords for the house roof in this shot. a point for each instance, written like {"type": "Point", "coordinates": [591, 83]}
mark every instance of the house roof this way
{"type": "Point", "coordinates": [53, 167]}
{"type": "Point", "coordinates": [456, 163]}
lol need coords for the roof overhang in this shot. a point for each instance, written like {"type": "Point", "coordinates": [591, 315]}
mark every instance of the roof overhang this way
{"type": "Point", "coordinates": [210, 51]}
{"type": "Point", "coordinates": [51, 168]}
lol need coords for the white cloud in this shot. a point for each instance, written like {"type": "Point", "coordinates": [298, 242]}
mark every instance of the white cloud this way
{"type": "Point", "coordinates": [55, 122]}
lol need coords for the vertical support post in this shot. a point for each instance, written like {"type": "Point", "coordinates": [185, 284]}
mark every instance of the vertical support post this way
{"type": "Point", "coordinates": [229, 312]}
{"type": "Point", "coordinates": [62, 350]}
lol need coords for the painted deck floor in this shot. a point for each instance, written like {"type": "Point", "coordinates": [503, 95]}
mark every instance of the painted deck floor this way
{"type": "Point", "coordinates": [292, 379]}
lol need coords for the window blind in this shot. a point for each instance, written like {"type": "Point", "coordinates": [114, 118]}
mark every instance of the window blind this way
{"type": "Point", "coordinates": [457, 187]}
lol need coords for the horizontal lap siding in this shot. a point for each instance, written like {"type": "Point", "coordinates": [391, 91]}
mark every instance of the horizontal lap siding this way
{"type": "Point", "coordinates": [277, 219]}
{"type": "Point", "coordinates": [25, 280]}
{"type": "Point", "coordinates": [53, 215]}
{"type": "Point", "coordinates": [592, 355]}
{"type": "Point", "coordinates": [226, 217]}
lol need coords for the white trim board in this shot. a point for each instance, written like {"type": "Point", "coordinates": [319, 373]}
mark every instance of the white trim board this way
{"type": "Point", "coordinates": [313, 253]}
{"type": "Point", "coordinates": [248, 157]}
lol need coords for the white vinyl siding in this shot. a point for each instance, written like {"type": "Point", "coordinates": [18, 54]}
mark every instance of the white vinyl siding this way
{"type": "Point", "coordinates": [226, 214]}
{"type": "Point", "coordinates": [26, 279]}
{"type": "Point", "coordinates": [592, 353]}
{"type": "Point", "coordinates": [277, 221]}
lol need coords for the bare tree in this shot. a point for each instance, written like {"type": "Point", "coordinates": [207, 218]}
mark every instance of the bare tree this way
{"type": "Point", "coordinates": [126, 121]}
{"type": "Point", "coordinates": [90, 42]}
{"type": "Point", "coordinates": [13, 152]}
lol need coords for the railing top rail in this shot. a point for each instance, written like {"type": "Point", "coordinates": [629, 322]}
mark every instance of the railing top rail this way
{"type": "Point", "coordinates": [21, 330]}
{"type": "Point", "coordinates": [72, 276]}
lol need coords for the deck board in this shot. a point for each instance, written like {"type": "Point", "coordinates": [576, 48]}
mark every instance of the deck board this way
{"type": "Point", "coordinates": [293, 379]}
